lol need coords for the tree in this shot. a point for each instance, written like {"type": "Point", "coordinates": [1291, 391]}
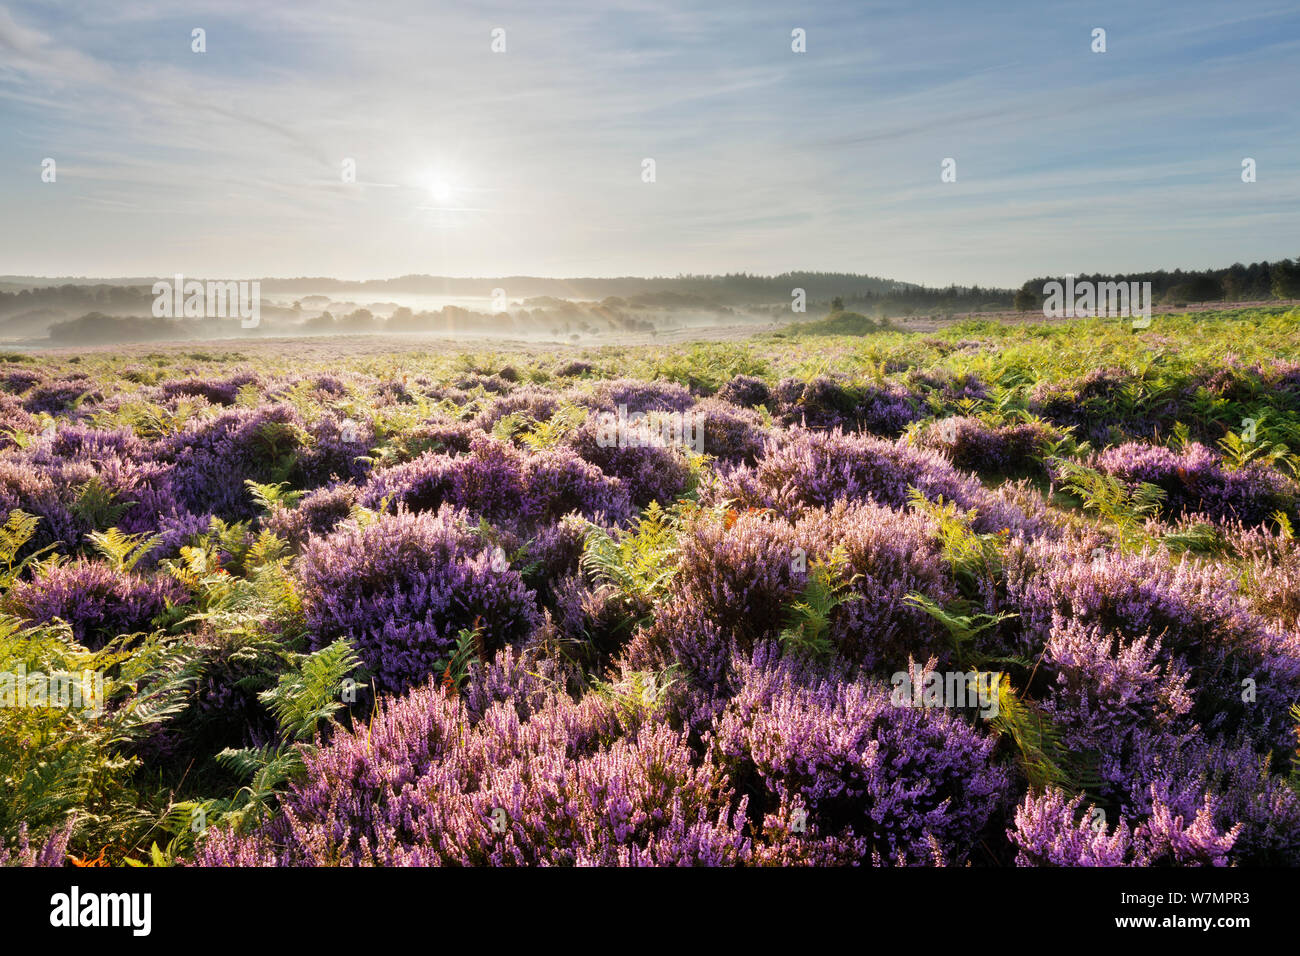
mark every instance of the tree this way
{"type": "Point", "coordinates": [1286, 279]}
{"type": "Point", "coordinates": [1025, 300]}
{"type": "Point", "coordinates": [837, 304]}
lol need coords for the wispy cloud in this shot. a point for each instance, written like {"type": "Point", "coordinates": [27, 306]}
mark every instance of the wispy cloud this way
{"type": "Point", "coordinates": [230, 161]}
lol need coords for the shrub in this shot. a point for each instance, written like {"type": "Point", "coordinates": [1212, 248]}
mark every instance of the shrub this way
{"type": "Point", "coordinates": [401, 588]}
{"type": "Point", "coordinates": [910, 783]}
{"type": "Point", "coordinates": [97, 601]}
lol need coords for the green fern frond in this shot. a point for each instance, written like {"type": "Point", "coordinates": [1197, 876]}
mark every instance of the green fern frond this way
{"type": "Point", "coordinates": [807, 621]}
{"type": "Point", "coordinates": [310, 693]}
{"type": "Point", "coordinates": [271, 496]}
{"type": "Point", "coordinates": [98, 505]}
{"type": "Point", "coordinates": [1038, 740]}
{"type": "Point", "coordinates": [123, 551]}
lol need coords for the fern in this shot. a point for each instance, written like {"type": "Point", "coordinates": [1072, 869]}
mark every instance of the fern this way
{"type": "Point", "coordinates": [539, 435]}
{"type": "Point", "coordinates": [309, 695]}
{"type": "Point", "coordinates": [1199, 538]}
{"type": "Point", "coordinates": [75, 760]}
{"type": "Point", "coordinates": [455, 669]}
{"type": "Point", "coordinates": [975, 559]}
{"type": "Point", "coordinates": [306, 696]}
{"type": "Point", "coordinates": [637, 695]}
{"type": "Point", "coordinates": [123, 551]}
{"type": "Point", "coordinates": [149, 420]}
{"type": "Point", "coordinates": [98, 505]}
{"type": "Point", "coordinates": [566, 419]}
{"type": "Point", "coordinates": [963, 628]}
{"type": "Point", "coordinates": [807, 622]}
{"type": "Point", "coordinates": [1038, 740]}
{"type": "Point", "coordinates": [639, 564]}
{"type": "Point", "coordinates": [271, 496]}
{"type": "Point", "coordinates": [15, 533]}
{"type": "Point", "coordinates": [263, 602]}
{"type": "Point", "coordinates": [1125, 509]}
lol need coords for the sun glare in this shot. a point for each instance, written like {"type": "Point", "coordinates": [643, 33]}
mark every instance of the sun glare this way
{"type": "Point", "coordinates": [440, 188]}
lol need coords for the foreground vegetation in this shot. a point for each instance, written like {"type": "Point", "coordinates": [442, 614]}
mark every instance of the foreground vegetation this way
{"type": "Point", "coordinates": [415, 608]}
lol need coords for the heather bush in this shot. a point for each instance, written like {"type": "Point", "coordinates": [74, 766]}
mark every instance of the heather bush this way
{"type": "Point", "coordinates": [60, 395]}
{"type": "Point", "coordinates": [1243, 673]}
{"type": "Point", "coordinates": [402, 586]}
{"type": "Point", "coordinates": [317, 513]}
{"type": "Point", "coordinates": [820, 404]}
{"type": "Point", "coordinates": [649, 472]}
{"type": "Point", "coordinates": [218, 391]}
{"type": "Point", "coordinates": [908, 782]}
{"type": "Point", "coordinates": [97, 601]}
{"type": "Point", "coordinates": [641, 396]}
{"type": "Point", "coordinates": [818, 469]}
{"type": "Point", "coordinates": [534, 402]}
{"type": "Point", "coordinates": [740, 570]}
{"type": "Point", "coordinates": [423, 786]}
{"type": "Point", "coordinates": [887, 555]}
{"type": "Point", "coordinates": [211, 459]}
{"type": "Point", "coordinates": [746, 391]}
{"type": "Point", "coordinates": [731, 434]}
{"type": "Point", "coordinates": [501, 483]}
{"type": "Point", "coordinates": [885, 409]}
{"type": "Point", "coordinates": [1196, 480]}
{"type": "Point", "coordinates": [974, 445]}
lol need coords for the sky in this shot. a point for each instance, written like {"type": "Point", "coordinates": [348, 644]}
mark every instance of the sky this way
{"type": "Point", "coordinates": [469, 162]}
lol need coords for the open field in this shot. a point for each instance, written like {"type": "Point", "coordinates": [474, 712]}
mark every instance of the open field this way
{"type": "Point", "coordinates": [995, 592]}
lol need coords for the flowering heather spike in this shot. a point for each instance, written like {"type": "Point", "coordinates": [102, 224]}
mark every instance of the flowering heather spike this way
{"type": "Point", "coordinates": [52, 852]}
{"type": "Point", "coordinates": [1053, 830]}
{"type": "Point", "coordinates": [1050, 832]}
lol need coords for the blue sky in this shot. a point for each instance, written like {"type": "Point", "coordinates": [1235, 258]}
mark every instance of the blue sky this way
{"type": "Point", "coordinates": [469, 162]}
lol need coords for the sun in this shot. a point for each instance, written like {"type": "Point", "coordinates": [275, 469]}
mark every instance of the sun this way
{"type": "Point", "coordinates": [440, 188]}
{"type": "Point", "coordinates": [441, 191]}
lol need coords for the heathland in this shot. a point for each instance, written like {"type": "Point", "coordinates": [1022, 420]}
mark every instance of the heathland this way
{"type": "Point", "coordinates": [992, 593]}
